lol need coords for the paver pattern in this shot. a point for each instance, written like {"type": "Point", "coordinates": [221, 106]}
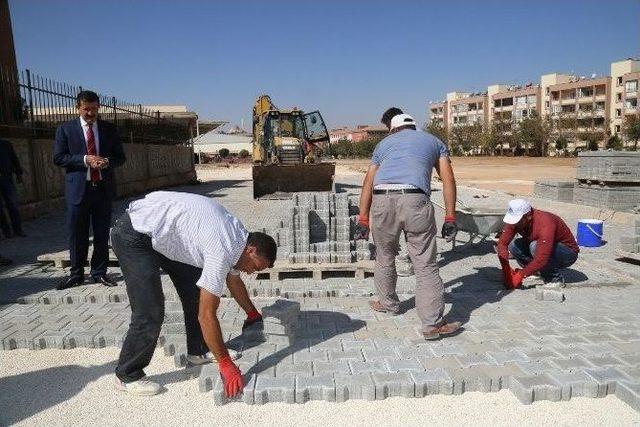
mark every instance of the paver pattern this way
{"type": "Point", "coordinates": [586, 343]}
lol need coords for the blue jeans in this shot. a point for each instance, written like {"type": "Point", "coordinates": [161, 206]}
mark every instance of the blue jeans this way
{"type": "Point", "coordinates": [141, 270]}
{"type": "Point", "coordinates": [562, 257]}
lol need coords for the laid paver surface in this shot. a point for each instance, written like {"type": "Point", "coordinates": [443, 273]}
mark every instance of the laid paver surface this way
{"type": "Point", "coordinates": [540, 349]}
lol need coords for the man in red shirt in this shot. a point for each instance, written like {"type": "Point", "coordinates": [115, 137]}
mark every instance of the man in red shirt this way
{"type": "Point", "coordinates": [546, 245]}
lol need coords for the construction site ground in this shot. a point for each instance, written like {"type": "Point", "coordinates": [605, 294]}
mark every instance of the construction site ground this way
{"type": "Point", "coordinates": [570, 362]}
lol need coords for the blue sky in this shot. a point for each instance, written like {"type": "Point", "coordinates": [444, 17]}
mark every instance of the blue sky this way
{"type": "Point", "coordinates": [349, 59]}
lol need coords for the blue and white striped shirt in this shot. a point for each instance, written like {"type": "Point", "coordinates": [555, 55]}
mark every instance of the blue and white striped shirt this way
{"type": "Point", "coordinates": [194, 230]}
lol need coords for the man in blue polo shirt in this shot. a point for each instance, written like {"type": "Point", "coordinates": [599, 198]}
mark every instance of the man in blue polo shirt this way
{"type": "Point", "coordinates": [396, 195]}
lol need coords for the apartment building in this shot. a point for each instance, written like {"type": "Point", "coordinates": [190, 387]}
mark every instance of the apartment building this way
{"type": "Point", "coordinates": [360, 133]}
{"type": "Point", "coordinates": [512, 104]}
{"type": "Point", "coordinates": [579, 108]}
{"type": "Point", "coordinates": [624, 94]}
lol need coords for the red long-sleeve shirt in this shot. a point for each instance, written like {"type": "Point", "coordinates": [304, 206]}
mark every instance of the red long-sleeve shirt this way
{"type": "Point", "coordinates": [546, 229]}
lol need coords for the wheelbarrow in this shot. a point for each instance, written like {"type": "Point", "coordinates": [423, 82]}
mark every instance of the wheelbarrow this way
{"type": "Point", "coordinates": [477, 222]}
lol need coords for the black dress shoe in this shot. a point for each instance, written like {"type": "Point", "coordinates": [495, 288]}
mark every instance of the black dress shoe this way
{"type": "Point", "coordinates": [105, 281]}
{"type": "Point", "coordinates": [70, 283]}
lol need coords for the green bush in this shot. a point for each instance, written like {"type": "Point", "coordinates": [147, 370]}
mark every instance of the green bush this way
{"type": "Point", "coordinates": [243, 154]}
{"type": "Point", "coordinates": [614, 143]}
{"type": "Point", "coordinates": [224, 152]}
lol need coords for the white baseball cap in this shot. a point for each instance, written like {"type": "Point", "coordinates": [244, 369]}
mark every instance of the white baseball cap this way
{"type": "Point", "coordinates": [402, 120]}
{"type": "Point", "coordinates": [517, 209]}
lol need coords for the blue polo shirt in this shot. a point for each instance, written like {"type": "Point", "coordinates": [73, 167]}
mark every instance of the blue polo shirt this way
{"type": "Point", "coordinates": [408, 157]}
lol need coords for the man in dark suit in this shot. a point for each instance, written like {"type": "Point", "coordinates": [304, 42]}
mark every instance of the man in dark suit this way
{"type": "Point", "coordinates": [89, 149]}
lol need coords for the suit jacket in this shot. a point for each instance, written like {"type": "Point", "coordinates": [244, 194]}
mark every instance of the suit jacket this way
{"type": "Point", "coordinates": [70, 149]}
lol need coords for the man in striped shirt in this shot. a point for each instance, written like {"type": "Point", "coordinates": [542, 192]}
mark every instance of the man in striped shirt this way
{"type": "Point", "coordinates": [201, 247]}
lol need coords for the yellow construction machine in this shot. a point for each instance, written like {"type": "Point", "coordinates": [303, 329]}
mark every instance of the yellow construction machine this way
{"type": "Point", "coordinates": [287, 149]}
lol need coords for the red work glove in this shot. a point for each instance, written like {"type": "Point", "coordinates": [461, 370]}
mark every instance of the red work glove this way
{"type": "Point", "coordinates": [231, 376]}
{"type": "Point", "coordinates": [362, 228]}
{"type": "Point", "coordinates": [516, 278]}
{"type": "Point", "coordinates": [252, 317]}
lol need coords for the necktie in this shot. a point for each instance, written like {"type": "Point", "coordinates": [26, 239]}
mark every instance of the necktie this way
{"type": "Point", "coordinates": [91, 150]}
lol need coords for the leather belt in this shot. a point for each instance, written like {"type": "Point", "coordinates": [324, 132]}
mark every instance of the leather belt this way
{"type": "Point", "coordinates": [399, 191]}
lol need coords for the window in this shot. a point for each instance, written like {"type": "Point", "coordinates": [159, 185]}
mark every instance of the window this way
{"type": "Point", "coordinates": [531, 99]}
{"type": "Point", "coordinates": [631, 103]}
{"type": "Point", "coordinates": [600, 106]}
{"type": "Point", "coordinates": [585, 92]}
{"type": "Point", "coordinates": [618, 112]}
{"type": "Point", "coordinates": [497, 103]}
{"type": "Point", "coordinates": [506, 102]}
{"type": "Point", "coordinates": [631, 86]}
{"type": "Point", "coordinates": [547, 90]}
{"type": "Point", "coordinates": [617, 128]}
{"type": "Point", "coordinates": [619, 97]}
{"type": "Point", "coordinates": [619, 81]}
{"type": "Point", "coordinates": [546, 104]}
{"type": "Point", "coordinates": [521, 100]}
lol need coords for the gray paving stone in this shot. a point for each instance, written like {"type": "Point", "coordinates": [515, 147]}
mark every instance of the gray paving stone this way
{"type": "Point", "coordinates": [379, 354]}
{"type": "Point", "coordinates": [533, 388]}
{"type": "Point", "coordinates": [357, 344]}
{"type": "Point", "coordinates": [274, 389]}
{"type": "Point", "coordinates": [404, 365]}
{"type": "Point", "coordinates": [354, 354]}
{"type": "Point", "coordinates": [435, 381]}
{"type": "Point", "coordinates": [334, 367]}
{"type": "Point", "coordinates": [471, 359]}
{"type": "Point", "coordinates": [570, 363]}
{"type": "Point", "coordinates": [575, 384]}
{"type": "Point", "coordinates": [629, 393]}
{"type": "Point", "coordinates": [358, 367]}
{"type": "Point", "coordinates": [298, 369]}
{"type": "Point", "coordinates": [321, 387]}
{"type": "Point", "coordinates": [310, 356]}
{"type": "Point", "coordinates": [390, 384]}
{"type": "Point", "coordinates": [350, 387]}
{"type": "Point", "coordinates": [607, 378]}
{"type": "Point", "coordinates": [508, 356]}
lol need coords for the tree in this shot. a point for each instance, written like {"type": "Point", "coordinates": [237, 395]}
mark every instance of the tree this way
{"type": "Point", "coordinates": [631, 130]}
{"type": "Point", "coordinates": [532, 134]}
{"type": "Point", "coordinates": [224, 152]}
{"type": "Point", "coordinates": [561, 145]}
{"type": "Point", "coordinates": [243, 154]}
{"type": "Point", "coordinates": [614, 143]}
{"type": "Point", "coordinates": [437, 130]}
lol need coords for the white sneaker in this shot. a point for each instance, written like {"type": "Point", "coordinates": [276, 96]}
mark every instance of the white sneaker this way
{"type": "Point", "coordinates": [138, 388]}
{"type": "Point", "coordinates": [208, 357]}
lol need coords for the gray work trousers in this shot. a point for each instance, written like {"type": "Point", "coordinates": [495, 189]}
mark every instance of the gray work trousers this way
{"type": "Point", "coordinates": [412, 213]}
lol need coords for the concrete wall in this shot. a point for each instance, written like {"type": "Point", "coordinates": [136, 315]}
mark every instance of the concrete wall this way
{"type": "Point", "coordinates": [148, 167]}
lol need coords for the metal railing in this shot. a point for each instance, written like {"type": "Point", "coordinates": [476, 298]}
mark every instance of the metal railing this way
{"type": "Point", "coordinates": [34, 106]}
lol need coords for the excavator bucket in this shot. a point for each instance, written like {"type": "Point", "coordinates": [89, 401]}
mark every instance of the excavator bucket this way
{"type": "Point", "coordinates": [277, 181]}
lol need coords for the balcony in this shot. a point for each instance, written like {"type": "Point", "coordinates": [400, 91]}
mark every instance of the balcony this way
{"type": "Point", "coordinates": [602, 97]}
{"type": "Point", "coordinates": [567, 101]}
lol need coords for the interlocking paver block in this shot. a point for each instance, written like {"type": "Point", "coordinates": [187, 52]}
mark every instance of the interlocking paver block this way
{"type": "Point", "coordinates": [354, 354]}
{"type": "Point", "coordinates": [508, 356]}
{"type": "Point", "coordinates": [274, 389]}
{"type": "Point", "coordinates": [607, 379]}
{"type": "Point", "coordinates": [298, 369]}
{"type": "Point", "coordinates": [390, 384]}
{"type": "Point", "coordinates": [404, 365]}
{"type": "Point", "coordinates": [321, 387]}
{"type": "Point", "coordinates": [359, 386]}
{"type": "Point", "coordinates": [387, 353]}
{"type": "Point", "coordinates": [533, 388]}
{"type": "Point", "coordinates": [436, 381]}
{"type": "Point", "coordinates": [247, 396]}
{"type": "Point", "coordinates": [310, 356]}
{"type": "Point", "coordinates": [575, 384]}
{"type": "Point", "coordinates": [358, 367]}
{"type": "Point", "coordinates": [629, 393]}
{"type": "Point", "coordinates": [334, 367]}
{"type": "Point", "coordinates": [570, 363]}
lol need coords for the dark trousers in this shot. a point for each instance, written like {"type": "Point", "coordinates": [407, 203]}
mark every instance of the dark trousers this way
{"type": "Point", "coordinates": [94, 210]}
{"type": "Point", "coordinates": [562, 257]}
{"type": "Point", "coordinates": [141, 266]}
{"type": "Point", "coordinates": [9, 198]}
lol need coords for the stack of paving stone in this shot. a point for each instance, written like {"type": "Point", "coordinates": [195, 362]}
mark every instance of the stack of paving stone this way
{"type": "Point", "coordinates": [631, 243]}
{"type": "Point", "coordinates": [562, 191]}
{"type": "Point", "coordinates": [279, 324]}
{"type": "Point", "coordinates": [608, 179]}
{"type": "Point", "coordinates": [318, 228]}
{"type": "Point", "coordinates": [604, 179]}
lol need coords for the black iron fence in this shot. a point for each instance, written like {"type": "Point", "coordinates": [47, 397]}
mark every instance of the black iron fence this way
{"type": "Point", "coordinates": [33, 106]}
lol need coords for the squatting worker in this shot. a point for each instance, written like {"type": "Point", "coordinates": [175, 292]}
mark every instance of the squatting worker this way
{"type": "Point", "coordinates": [396, 195]}
{"type": "Point", "coordinates": [546, 246]}
{"type": "Point", "coordinates": [201, 247]}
